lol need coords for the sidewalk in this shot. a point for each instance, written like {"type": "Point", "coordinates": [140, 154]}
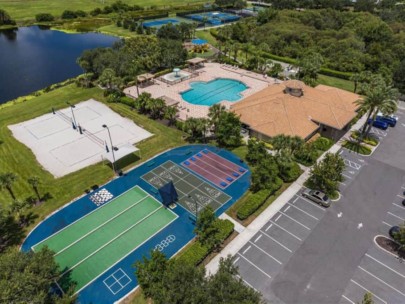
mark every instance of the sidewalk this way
{"type": "Point", "coordinates": [247, 233]}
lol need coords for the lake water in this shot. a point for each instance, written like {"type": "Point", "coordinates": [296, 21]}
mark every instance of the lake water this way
{"type": "Point", "coordinates": [32, 58]}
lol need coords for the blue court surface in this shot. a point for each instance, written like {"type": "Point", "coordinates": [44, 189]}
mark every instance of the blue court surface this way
{"type": "Point", "coordinates": [136, 194]}
{"type": "Point", "coordinates": [160, 22]}
{"type": "Point", "coordinates": [214, 18]}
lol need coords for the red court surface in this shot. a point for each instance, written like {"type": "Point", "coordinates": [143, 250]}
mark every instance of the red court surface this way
{"type": "Point", "coordinates": [216, 169]}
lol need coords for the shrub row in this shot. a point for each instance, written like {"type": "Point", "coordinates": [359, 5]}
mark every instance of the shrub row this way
{"type": "Point", "coordinates": [367, 140]}
{"type": "Point", "coordinates": [322, 143]}
{"type": "Point", "coordinates": [358, 148]}
{"type": "Point", "coordinates": [334, 73]}
{"type": "Point", "coordinates": [256, 200]}
{"type": "Point", "coordinates": [197, 252]}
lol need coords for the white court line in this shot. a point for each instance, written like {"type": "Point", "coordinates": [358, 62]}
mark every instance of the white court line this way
{"type": "Point", "coordinates": [223, 163]}
{"type": "Point", "coordinates": [394, 215]}
{"type": "Point", "coordinates": [98, 227]}
{"type": "Point", "coordinates": [311, 203]}
{"type": "Point", "coordinates": [269, 227]}
{"type": "Point", "coordinates": [398, 205]}
{"type": "Point", "coordinates": [258, 238]}
{"type": "Point", "coordinates": [251, 263]}
{"type": "Point", "coordinates": [112, 240]}
{"type": "Point", "coordinates": [164, 227]}
{"type": "Point", "coordinates": [304, 212]}
{"type": "Point", "coordinates": [295, 221]}
{"type": "Point", "coordinates": [277, 218]}
{"type": "Point", "coordinates": [269, 255]}
{"type": "Point", "coordinates": [246, 249]}
{"type": "Point", "coordinates": [292, 234]}
{"type": "Point", "coordinates": [393, 288]}
{"type": "Point", "coordinates": [288, 207]}
{"type": "Point", "coordinates": [210, 173]}
{"type": "Point", "coordinates": [346, 298]}
{"type": "Point", "coordinates": [98, 208]}
{"type": "Point", "coordinates": [393, 270]}
{"type": "Point", "coordinates": [289, 250]}
{"type": "Point", "coordinates": [362, 287]}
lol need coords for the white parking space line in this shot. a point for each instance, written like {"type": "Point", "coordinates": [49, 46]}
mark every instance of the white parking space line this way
{"type": "Point", "coordinates": [385, 283]}
{"type": "Point", "coordinates": [304, 212]}
{"type": "Point", "coordinates": [394, 215]}
{"type": "Point", "coordinates": [246, 282]}
{"type": "Point", "coordinates": [311, 203]}
{"type": "Point", "coordinates": [393, 270]}
{"type": "Point", "coordinates": [403, 187]}
{"type": "Point", "coordinates": [292, 234]}
{"type": "Point", "coordinates": [288, 207]}
{"type": "Point", "coordinates": [347, 299]}
{"type": "Point", "coordinates": [268, 254]}
{"type": "Point", "coordinates": [286, 248]}
{"type": "Point", "coordinates": [269, 227]}
{"type": "Point", "coordinates": [246, 250]}
{"type": "Point", "coordinates": [295, 221]}
{"type": "Point", "coordinates": [347, 176]}
{"type": "Point", "coordinates": [236, 260]}
{"type": "Point", "coordinates": [342, 183]}
{"type": "Point", "coordinates": [362, 287]}
{"type": "Point", "coordinates": [352, 164]}
{"type": "Point", "coordinates": [277, 218]}
{"type": "Point", "coordinates": [295, 199]}
{"type": "Point", "coordinates": [258, 238]}
{"type": "Point", "coordinates": [398, 205]}
{"type": "Point", "coordinates": [400, 196]}
{"type": "Point", "coordinates": [385, 223]}
{"type": "Point", "coordinates": [254, 265]}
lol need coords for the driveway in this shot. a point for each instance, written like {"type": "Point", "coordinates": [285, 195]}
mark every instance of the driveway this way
{"type": "Point", "coordinates": [308, 254]}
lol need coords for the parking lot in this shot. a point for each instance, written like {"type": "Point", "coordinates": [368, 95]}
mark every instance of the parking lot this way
{"type": "Point", "coordinates": [265, 254]}
{"type": "Point", "coordinates": [309, 254]}
{"type": "Point", "coordinates": [380, 272]}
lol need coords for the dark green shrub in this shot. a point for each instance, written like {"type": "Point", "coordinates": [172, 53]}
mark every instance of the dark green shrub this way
{"type": "Point", "coordinates": [67, 14]}
{"type": "Point", "coordinates": [44, 17]}
{"type": "Point", "coordinates": [256, 200]}
{"type": "Point", "coordinates": [81, 13]}
{"type": "Point", "coordinates": [127, 101]}
{"type": "Point", "coordinates": [97, 11]}
{"type": "Point", "coordinates": [334, 73]}
{"type": "Point", "coordinates": [291, 174]}
{"type": "Point", "coordinates": [322, 143]}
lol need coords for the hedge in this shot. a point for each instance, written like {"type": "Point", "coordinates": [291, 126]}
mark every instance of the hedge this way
{"type": "Point", "coordinates": [127, 101]}
{"type": "Point", "coordinates": [358, 148]}
{"type": "Point", "coordinates": [256, 200]}
{"type": "Point", "coordinates": [197, 252]}
{"type": "Point", "coordinates": [334, 73]}
{"type": "Point", "coordinates": [322, 143]}
{"type": "Point", "coordinates": [292, 174]}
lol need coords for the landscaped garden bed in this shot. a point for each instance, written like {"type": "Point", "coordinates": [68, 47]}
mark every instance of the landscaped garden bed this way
{"type": "Point", "coordinates": [356, 147]}
{"type": "Point", "coordinates": [390, 246]}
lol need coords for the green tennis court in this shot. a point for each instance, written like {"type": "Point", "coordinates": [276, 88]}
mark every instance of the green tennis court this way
{"type": "Point", "coordinates": [94, 243]}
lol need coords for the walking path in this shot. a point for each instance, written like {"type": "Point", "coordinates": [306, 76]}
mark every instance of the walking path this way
{"type": "Point", "coordinates": [247, 233]}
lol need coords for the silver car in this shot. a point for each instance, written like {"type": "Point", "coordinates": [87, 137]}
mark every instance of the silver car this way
{"type": "Point", "coordinates": [317, 197]}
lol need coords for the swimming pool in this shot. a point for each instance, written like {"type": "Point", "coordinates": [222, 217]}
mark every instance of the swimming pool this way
{"type": "Point", "coordinates": [214, 91]}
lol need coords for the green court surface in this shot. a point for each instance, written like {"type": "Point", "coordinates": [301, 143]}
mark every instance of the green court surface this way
{"type": "Point", "coordinates": [98, 240]}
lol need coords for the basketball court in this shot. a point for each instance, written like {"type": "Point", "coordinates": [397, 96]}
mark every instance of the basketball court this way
{"type": "Point", "coordinates": [193, 193]}
{"type": "Point", "coordinates": [71, 139]}
{"type": "Point", "coordinates": [88, 247]}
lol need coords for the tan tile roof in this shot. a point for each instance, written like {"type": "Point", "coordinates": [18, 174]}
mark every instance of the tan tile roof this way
{"type": "Point", "coordinates": [272, 112]}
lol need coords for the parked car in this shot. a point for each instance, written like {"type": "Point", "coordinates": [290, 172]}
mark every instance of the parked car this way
{"type": "Point", "coordinates": [391, 115]}
{"type": "Point", "coordinates": [390, 121]}
{"type": "Point", "coordinates": [393, 230]}
{"type": "Point", "coordinates": [379, 124]}
{"type": "Point", "coordinates": [317, 197]}
{"type": "Point", "coordinates": [403, 203]}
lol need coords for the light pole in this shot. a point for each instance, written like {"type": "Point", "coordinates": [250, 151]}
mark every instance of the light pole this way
{"type": "Point", "coordinates": [73, 114]}
{"type": "Point", "coordinates": [196, 206]}
{"type": "Point", "coordinates": [112, 147]}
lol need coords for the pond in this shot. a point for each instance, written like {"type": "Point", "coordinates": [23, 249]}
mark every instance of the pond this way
{"type": "Point", "coordinates": [32, 58]}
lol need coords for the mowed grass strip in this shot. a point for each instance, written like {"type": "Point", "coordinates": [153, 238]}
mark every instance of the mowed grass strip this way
{"type": "Point", "coordinates": [107, 256]}
{"type": "Point", "coordinates": [92, 221]}
{"type": "Point", "coordinates": [86, 246]}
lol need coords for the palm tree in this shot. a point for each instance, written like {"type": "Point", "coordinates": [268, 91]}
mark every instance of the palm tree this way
{"type": "Point", "coordinates": [156, 106]}
{"type": "Point", "coordinates": [235, 48]}
{"type": "Point", "coordinates": [214, 113]}
{"type": "Point", "coordinates": [142, 101]}
{"type": "Point", "coordinates": [379, 98]}
{"type": "Point", "coordinates": [171, 114]}
{"type": "Point", "coordinates": [16, 209]}
{"type": "Point", "coordinates": [356, 77]}
{"type": "Point", "coordinates": [34, 181]}
{"type": "Point", "coordinates": [6, 181]}
{"type": "Point", "coordinates": [247, 48]}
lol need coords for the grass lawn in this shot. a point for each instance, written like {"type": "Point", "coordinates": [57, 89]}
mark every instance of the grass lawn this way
{"type": "Point", "coordinates": [23, 9]}
{"type": "Point", "coordinates": [114, 30]}
{"type": "Point", "coordinates": [205, 34]}
{"type": "Point", "coordinates": [17, 158]}
{"type": "Point", "coordinates": [336, 82]}
{"type": "Point", "coordinates": [356, 147]}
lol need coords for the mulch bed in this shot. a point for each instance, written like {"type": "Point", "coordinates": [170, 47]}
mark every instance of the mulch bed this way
{"type": "Point", "coordinates": [390, 246]}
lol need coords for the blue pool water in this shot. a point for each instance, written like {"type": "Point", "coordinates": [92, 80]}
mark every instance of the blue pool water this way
{"type": "Point", "coordinates": [199, 41]}
{"type": "Point", "coordinates": [212, 92]}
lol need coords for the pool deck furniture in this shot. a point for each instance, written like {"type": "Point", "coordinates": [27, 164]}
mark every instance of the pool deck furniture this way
{"type": "Point", "coordinates": [208, 72]}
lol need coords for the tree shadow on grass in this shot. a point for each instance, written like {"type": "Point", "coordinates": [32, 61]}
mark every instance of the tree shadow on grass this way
{"type": "Point", "coordinates": [11, 234]}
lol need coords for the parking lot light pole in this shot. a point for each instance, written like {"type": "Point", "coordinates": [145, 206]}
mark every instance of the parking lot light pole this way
{"type": "Point", "coordinates": [112, 147]}
{"type": "Point", "coordinates": [73, 114]}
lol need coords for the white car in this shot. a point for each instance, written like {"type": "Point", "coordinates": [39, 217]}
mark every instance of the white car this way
{"type": "Point", "coordinates": [391, 115]}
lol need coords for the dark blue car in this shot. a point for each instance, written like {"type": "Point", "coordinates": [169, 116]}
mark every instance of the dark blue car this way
{"type": "Point", "coordinates": [389, 120]}
{"type": "Point", "coordinates": [379, 124]}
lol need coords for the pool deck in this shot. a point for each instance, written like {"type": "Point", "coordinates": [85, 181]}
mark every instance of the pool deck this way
{"type": "Point", "coordinates": [210, 71]}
